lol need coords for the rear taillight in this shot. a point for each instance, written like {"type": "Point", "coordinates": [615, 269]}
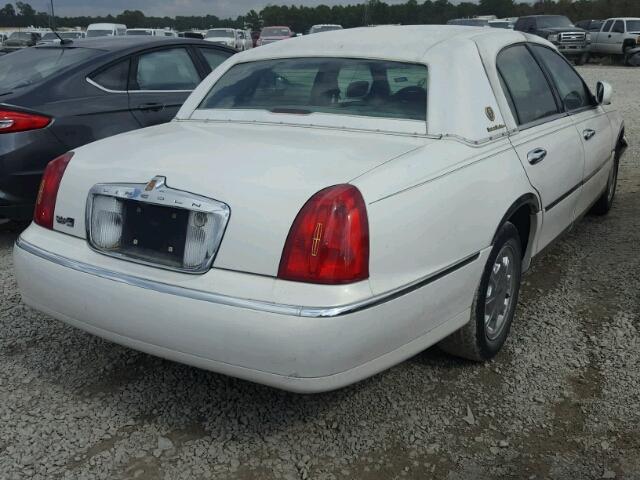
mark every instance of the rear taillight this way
{"type": "Point", "coordinates": [48, 192]}
{"type": "Point", "coordinates": [329, 240]}
{"type": "Point", "coordinates": [12, 122]}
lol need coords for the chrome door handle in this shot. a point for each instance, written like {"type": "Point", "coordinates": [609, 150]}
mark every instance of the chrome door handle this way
{"type": "Point", "coordinates": [588, 134]}
{"type": "Point", "coordinates": [536, 156]}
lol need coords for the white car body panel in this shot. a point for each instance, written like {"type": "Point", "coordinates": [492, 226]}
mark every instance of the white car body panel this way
{"type": "Point", "coordinates": [436, 193]}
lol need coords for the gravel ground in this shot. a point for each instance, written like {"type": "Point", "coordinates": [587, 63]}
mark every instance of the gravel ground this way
{"type": "Point", "coordinates": [561, 401]}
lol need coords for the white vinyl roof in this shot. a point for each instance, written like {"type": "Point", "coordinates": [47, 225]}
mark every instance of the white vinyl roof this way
{"type": "Point", "coordinates": [402, 43]}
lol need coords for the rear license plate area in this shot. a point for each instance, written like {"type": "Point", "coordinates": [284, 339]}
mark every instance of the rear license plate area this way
{"type": "Point", "coordinates": [154, 233]}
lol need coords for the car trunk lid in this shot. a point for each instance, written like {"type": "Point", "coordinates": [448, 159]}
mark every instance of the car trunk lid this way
{"type": "Point", "coordinates": [265, 173]}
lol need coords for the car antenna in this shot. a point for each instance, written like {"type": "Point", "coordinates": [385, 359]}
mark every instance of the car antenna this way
{"type": "Point", "coordinates": [52, 26]}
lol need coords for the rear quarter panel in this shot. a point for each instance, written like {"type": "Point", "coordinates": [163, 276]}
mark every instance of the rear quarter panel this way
{"type": "Point", "coordinates": [436, 206]}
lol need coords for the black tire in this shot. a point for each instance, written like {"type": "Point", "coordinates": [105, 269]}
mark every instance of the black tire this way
{"type": "Point", "coordinates": [473, 341]}
{"type": "Point", "coordinates": [605, 202]}
{"type": "Point", "coordinates": [582, 59]}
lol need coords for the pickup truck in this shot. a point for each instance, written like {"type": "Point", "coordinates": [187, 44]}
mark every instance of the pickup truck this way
{"type": "Point", "coordinates": [618, 36]}
{"type": "Point", "coordinates": [573, 42]}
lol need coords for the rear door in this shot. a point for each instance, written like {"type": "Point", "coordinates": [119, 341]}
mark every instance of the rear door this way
{"type": "Point", "coordinates": [161, 80]}
{"type": "Point", "coordinates": [615, 39]}
{"type": "Point", "coordinates": [601, 38]}
{"type": "Point", "coordinates": [590, 120]}
{"type": "Point", "coordinates": [547, 142]}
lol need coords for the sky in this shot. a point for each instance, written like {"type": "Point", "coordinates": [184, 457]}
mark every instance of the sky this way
{"type": "Point", "coordinates": [220, 8]}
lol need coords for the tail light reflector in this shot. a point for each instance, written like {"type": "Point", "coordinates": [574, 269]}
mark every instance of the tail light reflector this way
{"type": "Point", "coordinates": [12, 122]}
{"type": "Point", "coordinates": [48, 192]}
{"type": "Point", "coordinates": [329, 240]}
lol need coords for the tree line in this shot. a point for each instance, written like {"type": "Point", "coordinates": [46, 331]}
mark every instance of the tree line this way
{"type": "Point", "coordinates": [301, 18]}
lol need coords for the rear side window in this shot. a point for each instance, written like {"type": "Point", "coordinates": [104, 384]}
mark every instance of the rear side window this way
{"type": "Point", "coordinates": [342, 86]}
{"type": "Point", "coordinates": [32, 65]}
{"type": "Point", "coordinates": [531, 94]}
{"type": "Point", "coordinates": [115, 77]}
{"type": "Point", "coordinates": [618, 27]}
{"type": "Point", "coordinates": [214, 57]}
{"type": "Point", "coordinates": [170, 69]}
{"type": "Point", "coordinates": [573, 91]}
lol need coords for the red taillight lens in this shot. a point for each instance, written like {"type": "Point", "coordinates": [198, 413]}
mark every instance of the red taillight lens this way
{"type": "Point", "coordinates": [11, 122]}
{"type": "Point", "coordinates": [48, 192]}
{"type": "Point", "coordinates": [329, 239]}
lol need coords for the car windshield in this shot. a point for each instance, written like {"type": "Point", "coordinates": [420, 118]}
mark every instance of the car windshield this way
{"type": "Point", "coordinates": [633, 25]}
{"type": "Point", "coordinates": [71, 34]}
{"type": "Point", "coordinates": [371, 88]}
{"type": "Point", "coordinates": [275, 32]}
{"type": "Point", "coordinates": [20, 36]}
{"type": "Point", "coordinates": [32, 65]}
{"type": "Point", "coordinates": [325, 28]}
{"type": "Point", "coordinates": [554, 22]}
{"type": "Point", "coordinates": [220, 34]}
{"type": "Point", "coordinates": [49, 36]}
{"type": "Point", "coordinates": [138, 32]}
{"type": "Point", "coordinates": [499, 24]}
{"type": "Point", "coordinates": [99, 33]}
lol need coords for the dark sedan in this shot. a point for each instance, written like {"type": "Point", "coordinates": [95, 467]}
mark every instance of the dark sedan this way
{"type": "Point", "coordinates": [55, 98]}
{"type": "Point", "coordinates": [20, 40]}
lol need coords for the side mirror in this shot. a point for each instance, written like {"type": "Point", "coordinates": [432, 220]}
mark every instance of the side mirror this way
{"type": "Point", "coordinates": [604, 92]}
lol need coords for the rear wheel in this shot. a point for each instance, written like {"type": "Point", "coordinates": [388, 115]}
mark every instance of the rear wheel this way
{"type": "Point", "coordinates": [495, 301]}
{"type": "Point", "coordinates": [605, 202]}
{"type": "Point", "coordinates": [582, 59]}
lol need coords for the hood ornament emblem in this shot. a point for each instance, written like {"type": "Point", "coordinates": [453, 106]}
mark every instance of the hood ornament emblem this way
{"type": "Point", "coordinates": [155, 183]}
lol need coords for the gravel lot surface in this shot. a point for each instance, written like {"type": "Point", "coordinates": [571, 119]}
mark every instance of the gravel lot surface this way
{"type": "Point", "coordinates": [561, 401]}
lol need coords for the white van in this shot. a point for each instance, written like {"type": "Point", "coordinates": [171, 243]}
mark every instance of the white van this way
{"type": "Point", "coordinates": [106, 30]}
{"type": "Point", "coordinates": [153, 32]}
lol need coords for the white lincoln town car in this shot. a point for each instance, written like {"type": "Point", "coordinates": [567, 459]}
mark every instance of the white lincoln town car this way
{"type": "Point", "coordinates": [324, 208]}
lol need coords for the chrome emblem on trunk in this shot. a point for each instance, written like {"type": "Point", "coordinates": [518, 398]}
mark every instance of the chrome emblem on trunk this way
{"type": "Point", "coordinates": [155, 183]}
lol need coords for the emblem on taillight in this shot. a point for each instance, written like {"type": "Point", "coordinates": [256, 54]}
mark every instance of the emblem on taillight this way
{"type": "Point", "coordinates": [155, 183]}
{"type": "Point", "coordinates": [317, 236]}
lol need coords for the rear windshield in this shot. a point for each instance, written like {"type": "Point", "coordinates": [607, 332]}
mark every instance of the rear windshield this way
{"type": "Point", "coordinates": [220, 34]}
{"type": "Point", "coordinates": [371, 88]}
{"type": "Point", "coordinates": [31, 65]}
{"type": "Point", "coordinates": [138, 32]}
{"type": "Point", "coordinates": [633, 25]}
{"type": "Point", "coordinates": [49, 36]}
{"type": "Point", "coordinates": [275, 32]}
{"type": "Point", "coordinates": [99, 33]}
{"type": "Point", "coordinates": [71, 34]}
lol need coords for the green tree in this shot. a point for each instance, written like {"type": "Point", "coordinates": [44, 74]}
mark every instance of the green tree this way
{"type": "Point", "coordinates": [25, 10]}
{"type": "Point", "coordinates": [8, 11]}
{"type": "Point", "coordinates": [500, 8]}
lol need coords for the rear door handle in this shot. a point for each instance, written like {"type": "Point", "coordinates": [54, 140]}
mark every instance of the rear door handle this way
{"type": "Point", "coordinates": [536, 156]}
{"type": "Point", "coordinates": [151, 107]}
{"type": "Point", "coordinates": [588, 134]}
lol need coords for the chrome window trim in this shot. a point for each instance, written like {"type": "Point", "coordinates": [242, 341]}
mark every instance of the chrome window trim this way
{"type": "Point", "coordinates": [166, 197]}
{"type": "Point", "coordinates": [238, 302]}
{"type": "Point", "coordinates": [104, 89]}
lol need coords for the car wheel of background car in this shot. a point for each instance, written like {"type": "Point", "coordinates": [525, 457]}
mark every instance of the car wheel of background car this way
{"type": "Point", "coordinates": [604, 203]}
{"type": "Point", "coordinates": [494, 303]}
{"type": "Point", "coordinates": [626, 56]}
{"type": "Point", "coordinates": [582, 59]}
